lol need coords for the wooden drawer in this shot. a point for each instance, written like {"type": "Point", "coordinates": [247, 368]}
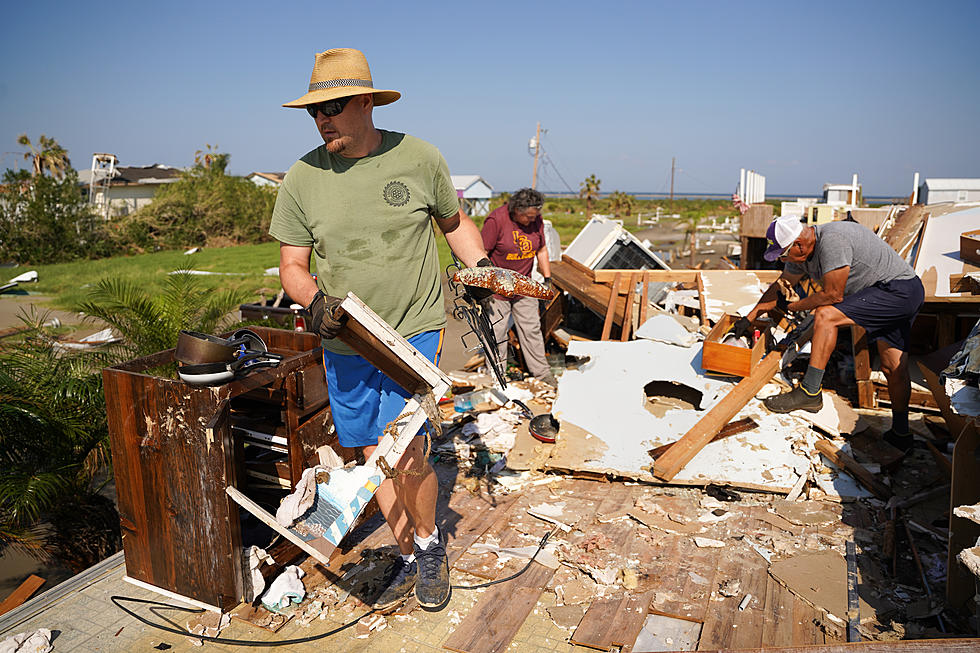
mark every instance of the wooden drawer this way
{"type": "Point", "coordinates": [729, 359]}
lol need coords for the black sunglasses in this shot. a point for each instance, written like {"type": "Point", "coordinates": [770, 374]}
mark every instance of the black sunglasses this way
{"type": "Point", "coordinates": [329, 108]}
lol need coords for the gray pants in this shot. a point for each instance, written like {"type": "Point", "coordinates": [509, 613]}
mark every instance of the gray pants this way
{"type": "Point", "coordinates": [524, 310]}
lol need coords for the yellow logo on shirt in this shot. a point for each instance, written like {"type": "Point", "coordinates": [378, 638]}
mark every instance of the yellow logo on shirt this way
{"type": "Point", "coordinates": [524, 245]}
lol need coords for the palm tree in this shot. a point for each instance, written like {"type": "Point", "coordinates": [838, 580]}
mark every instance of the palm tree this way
{"type": "Point", "coordinates": [620, 202]}
{"type": "Point", "coordinates": [211, 160]}
{"type": "Point", "coordinates": [150, 321]}
{"type": "Point", "coordinates": [47, 155]}
{"type": "Point", "coordinates": [53, 443]}
{"type": "Point", "coordinates": [589, 191]}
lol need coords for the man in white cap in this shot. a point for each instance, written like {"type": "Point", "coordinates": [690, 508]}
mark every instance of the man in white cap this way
{"type": "Point", "coordinates": [362, 205]}
{"type": "Point", "coordinates": [863, 281]}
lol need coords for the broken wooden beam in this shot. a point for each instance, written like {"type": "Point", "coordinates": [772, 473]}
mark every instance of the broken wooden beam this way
{"type": "Point", "coordinates": [681, 452]}
{"type": "Point", "coordinates": [673, 276]}
{"type": "Point", "coordinates": [20, 595]}
{"type": "Point", "coordinates": [857, 470]}
{"type": "Point", "coordinates": [732, 428]}
{"type": "Point", "coordinates": [627, 325]}
{"type": "Point", "coordinates": [611, 309]}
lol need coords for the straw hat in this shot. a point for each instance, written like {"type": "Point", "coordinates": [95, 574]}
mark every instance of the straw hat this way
{"type": "Point", "coordinates": [339, 73]}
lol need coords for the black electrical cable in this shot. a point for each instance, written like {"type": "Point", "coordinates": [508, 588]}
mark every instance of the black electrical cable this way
{"type": "Point", "coordinates": [284, 642]}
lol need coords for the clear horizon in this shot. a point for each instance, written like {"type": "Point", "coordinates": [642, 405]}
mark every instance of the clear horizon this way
{"type": "Point", "coordinates": [804, 95]}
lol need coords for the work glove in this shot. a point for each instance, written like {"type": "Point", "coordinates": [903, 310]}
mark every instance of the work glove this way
{"type": "Point", "coordinates": [322, 319]}
{"type": "Point", "coordinates": [477, 294]}
{"type": "Point", "coordinates": [547, 283]}
{"type": "Point", "coordinates": [742, 328]}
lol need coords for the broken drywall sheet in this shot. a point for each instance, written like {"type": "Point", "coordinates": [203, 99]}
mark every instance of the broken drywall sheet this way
{"type": "Point", "coordinates": [835, 417]}
{"type": "Point", "coordinates": [731, 292]}
{"type": "Point", "coordinates": [606, 427]}
{"type": "Point", "coordinates": [821, 580]}
{"type": "Point", "coordinates": [939, 250]}
{"type": "Point", "coordinates": [664, 327]}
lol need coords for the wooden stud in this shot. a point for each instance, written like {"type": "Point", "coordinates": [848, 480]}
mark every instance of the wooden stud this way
{"type": "Point", "coordinates": [644, 300]}
{"type": "Point", "coordinates": [954, 423]}
{"type": "Point", "coordinates": [682, 451]}
{"type": "Point", "coordinates": [610, 309]}
{"type": "Point", "coordinates": [701, 300]}
{"type": "Point", "coordinates": [627, 325]}
{"type": "Point", "coordinates": [862, 367]}
{"type": "Point", "coordinates": [23, 592]}
{"type": "Point", "coordinates": [863, 476]}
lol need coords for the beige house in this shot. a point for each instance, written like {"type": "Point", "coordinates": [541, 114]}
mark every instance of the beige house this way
{"type": "Point", "coordinates": [130, 188]}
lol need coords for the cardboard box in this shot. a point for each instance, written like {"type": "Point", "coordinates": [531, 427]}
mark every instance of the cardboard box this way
{"type": "Point", "coordinates": [970, 246]}
{"type": "Point", "coordinates": [729, 359]}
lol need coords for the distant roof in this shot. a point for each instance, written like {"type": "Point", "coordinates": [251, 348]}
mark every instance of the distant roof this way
{"type": "Point", "coordinates": [126, 175]}
{"type": "Point", "coordinates": [462, 182]}
{"type": "Point", "coordinates": [271, 176]}
{"type": "Point", "coordinates": [953, 184]}
{"type": "Point", "coordinates": [838, 186]}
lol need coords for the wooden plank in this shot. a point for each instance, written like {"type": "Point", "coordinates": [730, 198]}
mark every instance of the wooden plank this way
{"type": "Point", "coordinates": [963, 533]}
{"type": "Point", "coordinates": [954, 423]}
{"type": "Point", "coordinates": [701, 299]}
{"type": "Point", "coordinates": [644, 300]}
{"type": "Point", "coordinates": [23, 592]}
{"type": "Point", "coordinates": [594, 296]}
{"type": "Point", "coordinates": [777, 623]}
{"type": "Point", "coordinates": [553, 315]}
{"type": "Point", "coordinates": [668, 465]}
{"type": "Point", "coordinates": [613, 622]}
{"type": "Point", "coordinates": [627, 325]}
{"type": "Point", "coordinates": [610, 308]}
{"type": "Point", "coordinates": [806, 620]}
{"type": "Point", "coordinates": [862, 367]}
{"type": "Point", "coordinates": [323, 556]}
{"type": "Point", "coordinates": [860, 473]}
{"type": "Point", "coordinates": [492, 623]}
{"type": "Point", "coordinates": [675, 276]}
{"type": "Point", "coordinates": [578, 267]}
{"type": "Point", "coordinates": [725, 626]}
{"type": "Point", "coordinates": [732, 428]}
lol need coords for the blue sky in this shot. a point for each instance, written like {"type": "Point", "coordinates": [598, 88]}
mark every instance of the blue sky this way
{"type": "Point", "coordinates": [802, 93]}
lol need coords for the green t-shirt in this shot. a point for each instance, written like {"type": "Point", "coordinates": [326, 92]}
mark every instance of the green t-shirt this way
{"type": "Point", "coordinates": [369, 222]}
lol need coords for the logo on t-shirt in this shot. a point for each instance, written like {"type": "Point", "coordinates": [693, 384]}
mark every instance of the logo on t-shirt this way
{"type": "Point", "coordinates": [525, 248]}
{"type": "Point", "coordinates": [396, 193]}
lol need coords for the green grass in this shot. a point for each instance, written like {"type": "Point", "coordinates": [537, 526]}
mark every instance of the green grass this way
{"type": "Point", "coordinates": [67, 283]}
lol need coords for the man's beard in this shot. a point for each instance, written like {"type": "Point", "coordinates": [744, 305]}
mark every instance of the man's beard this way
{"type": "Point", "coordinates": [339, 145]}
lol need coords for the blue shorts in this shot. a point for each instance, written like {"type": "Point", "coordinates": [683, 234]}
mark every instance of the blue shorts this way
{"type": "Point", "coordinates": [363, 400]}
{"type": "Point", "coordinates": [886, 310]}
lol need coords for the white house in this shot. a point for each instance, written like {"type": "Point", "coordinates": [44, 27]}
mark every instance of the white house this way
{"type": "Point", "coordinates": [841, 194]}
{"type": "Point", "coordinates": [934, 191]}
{"type": "Point", "coordinates": [131, 188]}
{"type": "Point", "coordinates": [474, 194]}
{"type": "Point", "coordinates": [267, 179]}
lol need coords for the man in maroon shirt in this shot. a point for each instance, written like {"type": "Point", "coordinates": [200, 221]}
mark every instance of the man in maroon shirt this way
{"type": "Point", "coordinates": [513, 236]}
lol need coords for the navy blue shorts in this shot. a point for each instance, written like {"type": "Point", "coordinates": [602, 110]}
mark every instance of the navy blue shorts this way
{"type": "Point", "coordinates": [886, 310]}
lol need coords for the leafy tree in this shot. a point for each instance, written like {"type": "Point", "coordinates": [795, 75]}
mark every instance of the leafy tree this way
{"type": "Point", "coordinates": [206, 207]}
{"type": "Point", "coordinates": [499, 200]}
{"type": "Point", "coordinates": [44, 219]}
{"type": "Point", "coordinates": [149, 321]}
{"type": "Point", "coordinates": [589, 191]}
{"type": "Point", "coordinates": [53, 446]}
{"type": "Point", "coordinates": [621, 203]}
{"type": "Point", "coordinates": [47, 155]}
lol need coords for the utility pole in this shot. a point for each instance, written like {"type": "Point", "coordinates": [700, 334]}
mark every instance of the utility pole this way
{"type": "Point", "coordinates": [536, 144]}
{"type": "Point", "coordinates": [672, 161]}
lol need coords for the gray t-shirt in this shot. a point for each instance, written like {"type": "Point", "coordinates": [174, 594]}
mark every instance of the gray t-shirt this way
{"type": "Point", "coordinates": [870, 258]}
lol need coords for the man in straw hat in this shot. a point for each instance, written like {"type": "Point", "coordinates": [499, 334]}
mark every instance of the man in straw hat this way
{"type": "Point", "coordinates": [864, 282]}
{"type": "Point", "coordinates": [362, 204]}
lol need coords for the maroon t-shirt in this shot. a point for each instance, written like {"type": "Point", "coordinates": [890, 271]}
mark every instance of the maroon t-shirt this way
{"type": "Point", "coordinates": [509, 244]}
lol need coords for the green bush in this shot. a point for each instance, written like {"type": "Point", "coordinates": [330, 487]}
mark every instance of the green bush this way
{"type": "Point", "coordinates": [47, 220]}
{"type": "Point", "coordinates": [205, 208]}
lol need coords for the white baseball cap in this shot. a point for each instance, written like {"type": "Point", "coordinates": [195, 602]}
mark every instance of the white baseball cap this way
{"type": "Point", "coordinates": [781, 234]}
